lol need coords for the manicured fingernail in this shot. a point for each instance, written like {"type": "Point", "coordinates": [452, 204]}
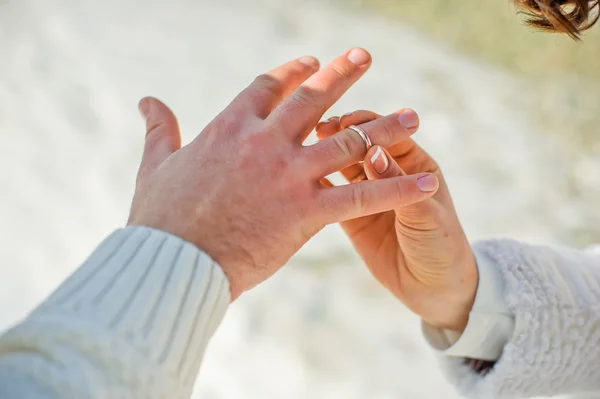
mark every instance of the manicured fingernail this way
{"type": "Point", "coordinates": [380, 161]}
{"type": "Point", "coordinates": [427, 183]}
{"type": "Point", "coordinates": [144, 107]}
{"type": "Point", "coordinates": [409, 119]}
{"type": "Point", "coordinates": [309, 61]}
{"type": "Point", "coordinates": [347, 114]}
{"type": "Point", "coordinates": [358, 56]}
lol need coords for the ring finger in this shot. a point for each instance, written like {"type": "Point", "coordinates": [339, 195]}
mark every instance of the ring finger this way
{"type": "Point", "coordinates": [344, 149]}
{"type": "Point", "coordinates": [353, 173]}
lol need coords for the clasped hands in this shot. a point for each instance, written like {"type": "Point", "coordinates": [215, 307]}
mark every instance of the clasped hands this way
{"type": "Point", "coordinates": [250, 194]}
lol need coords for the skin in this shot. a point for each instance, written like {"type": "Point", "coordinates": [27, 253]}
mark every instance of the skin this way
{"type": "Point", "coordinates": [246, 190]}
{"type": "Point", "coordinates": [420, 251]}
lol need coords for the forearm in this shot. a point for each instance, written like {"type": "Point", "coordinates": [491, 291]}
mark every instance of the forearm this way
{"type": "Point", "coordinates": [133, 321]}
{"type": "Point", "coordinates": [554, 296]}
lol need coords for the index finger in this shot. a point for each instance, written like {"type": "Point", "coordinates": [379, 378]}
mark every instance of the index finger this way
{"type": "Point", "coordinates": [353, 201]}
{"type": "Point", "coordinates": [299, 113]}
{"type": "Point", "coordinates": [269, 89]}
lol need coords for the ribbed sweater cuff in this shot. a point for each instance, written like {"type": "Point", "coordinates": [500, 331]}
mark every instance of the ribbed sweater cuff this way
{"type": "Point", "coordinates": [153, 290]}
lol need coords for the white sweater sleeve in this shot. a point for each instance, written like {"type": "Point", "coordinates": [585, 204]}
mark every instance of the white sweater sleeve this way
{"type": "Point", "coordinates": [554, 295]}
{"type": "Point", "coordinates": [132, 322]}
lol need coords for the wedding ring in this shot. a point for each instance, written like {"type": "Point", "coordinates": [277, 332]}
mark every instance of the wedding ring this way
{"type": "Point", "coordinates": [363, 135]}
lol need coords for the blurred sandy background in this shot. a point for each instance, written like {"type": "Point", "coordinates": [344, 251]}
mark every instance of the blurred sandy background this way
{"type": "Point", "coordinates": [512, 117]}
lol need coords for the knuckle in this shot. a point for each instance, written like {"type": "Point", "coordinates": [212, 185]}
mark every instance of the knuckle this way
{"type": "Point", "coordinates": [153, 134]}
{"type": "Point", "coordinates": [343, 70]}
{"type": "Point", "coordinates": [154, 127]}
{"type": "Point", "coordinates": [344, 145]}
{"type": "Point", "coordinates": [303, 99]}
{"type": "Point", "coordinates": [299, 68]}
{"type": "Point", "coordinates": [268, 84]}
{"type": "Point", "coordinates": [383, 132]}
{"type": "Point", "coordinates": [399, 192]}
{"type": "Point", "coordinates": [253, 140]}
{"type": "Point", "coordinates": [359, 198]}
{"type": "Point", "coordinates": [226, 124]}
{"type": "Point", "coordinates": [389, 131]}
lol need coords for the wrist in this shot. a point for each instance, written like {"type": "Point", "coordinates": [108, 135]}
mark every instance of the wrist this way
{"type": "Point", "coordinates": [236, 287]}
{"type": "Point", "coordinates": [491, 324]}
{"type": "Point", "coordinates": [461, 300]}
{"type": "Point", "coordinates": [452, 306]}
{"type": "Point", "coordinates": [448, 317]}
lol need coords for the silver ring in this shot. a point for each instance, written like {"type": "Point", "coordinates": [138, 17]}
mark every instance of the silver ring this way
{"type": "Point", "coordinates": [363, 135]}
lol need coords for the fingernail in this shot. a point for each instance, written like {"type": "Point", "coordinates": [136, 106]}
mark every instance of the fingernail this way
{"type": "Point", "coordinates": [380, 161]}
{"type": "Point", "coordinates": [311, 62]}
{"type": "Point", "coordinates": [358, 56]}
{"type": "Point", "coordinates": [347, 114]}
{"type": "Point", "coordinates": [144, 107]}
{"type": "Point", "coordinates": [409, 119]}
{"type": "Point", "coordinates": [326, 121]}
{"type": "Point", "coordinates": [427, 183]}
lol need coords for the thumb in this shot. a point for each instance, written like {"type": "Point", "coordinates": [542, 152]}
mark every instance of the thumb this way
{"type": "Point", "coordinates": [162, 133]}
{"type": "Point", "coordinates": [379, 164]}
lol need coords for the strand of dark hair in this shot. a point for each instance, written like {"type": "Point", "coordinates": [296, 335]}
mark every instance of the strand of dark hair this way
{"type": "Point", "coordinates": [565, 16]}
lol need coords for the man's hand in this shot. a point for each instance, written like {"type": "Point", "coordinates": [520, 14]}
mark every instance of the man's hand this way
{"type": "Point", "coordinates": [246, 190]}
{"type": "Point", "coordinates": [418, 251]}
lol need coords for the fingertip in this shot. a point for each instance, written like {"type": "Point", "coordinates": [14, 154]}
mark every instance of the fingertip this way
{"type": "Point", "coordinates": [310, 62]}
{"type": "Point", "coordinates": [162, 133]}
{"type": "Point", "coordinates": [358, 56]}
{"type": "Point", "coordinates": [327, 127]}
{"type": "Point", "coordinates": [161, 123]}
{"type": "Point", "coordinates": [327, 121]}
{"type": "Point", "coordinates": [370, 153]}
{"type": "Point", "coordinates": [408, 118]}
{"type": "Point", "coordinates": [379, 160]}
{"type": "Point", "coordinates": [325, 182]}
{"type": "Point", "coordinates": [346, 120]}
{"type": "Point", "coordinates": [319, 134]}
{"type": "Point", "coordinates": [320, 127]}
{"type": "Point", "coordinates": [357, 118]}
{"type": "Point", "coordinates": [144, 106]}
{"type": "Point", "coordinates": [379, 164]}
{"type": "Point", "coordinates": [428, 183]}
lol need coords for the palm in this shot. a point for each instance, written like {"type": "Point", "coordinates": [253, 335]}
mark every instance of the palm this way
{"type": "Point", "coordinates": [391, 243]}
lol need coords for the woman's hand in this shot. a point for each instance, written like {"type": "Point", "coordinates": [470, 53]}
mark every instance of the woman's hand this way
{"type": "Point", "coordinates": [246, 190]}
{"type": "Point", "coordinates": [418, 251]}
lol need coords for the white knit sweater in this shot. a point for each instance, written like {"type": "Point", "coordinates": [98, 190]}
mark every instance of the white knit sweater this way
{"type": "Point", "coordinates": [134, 320]}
